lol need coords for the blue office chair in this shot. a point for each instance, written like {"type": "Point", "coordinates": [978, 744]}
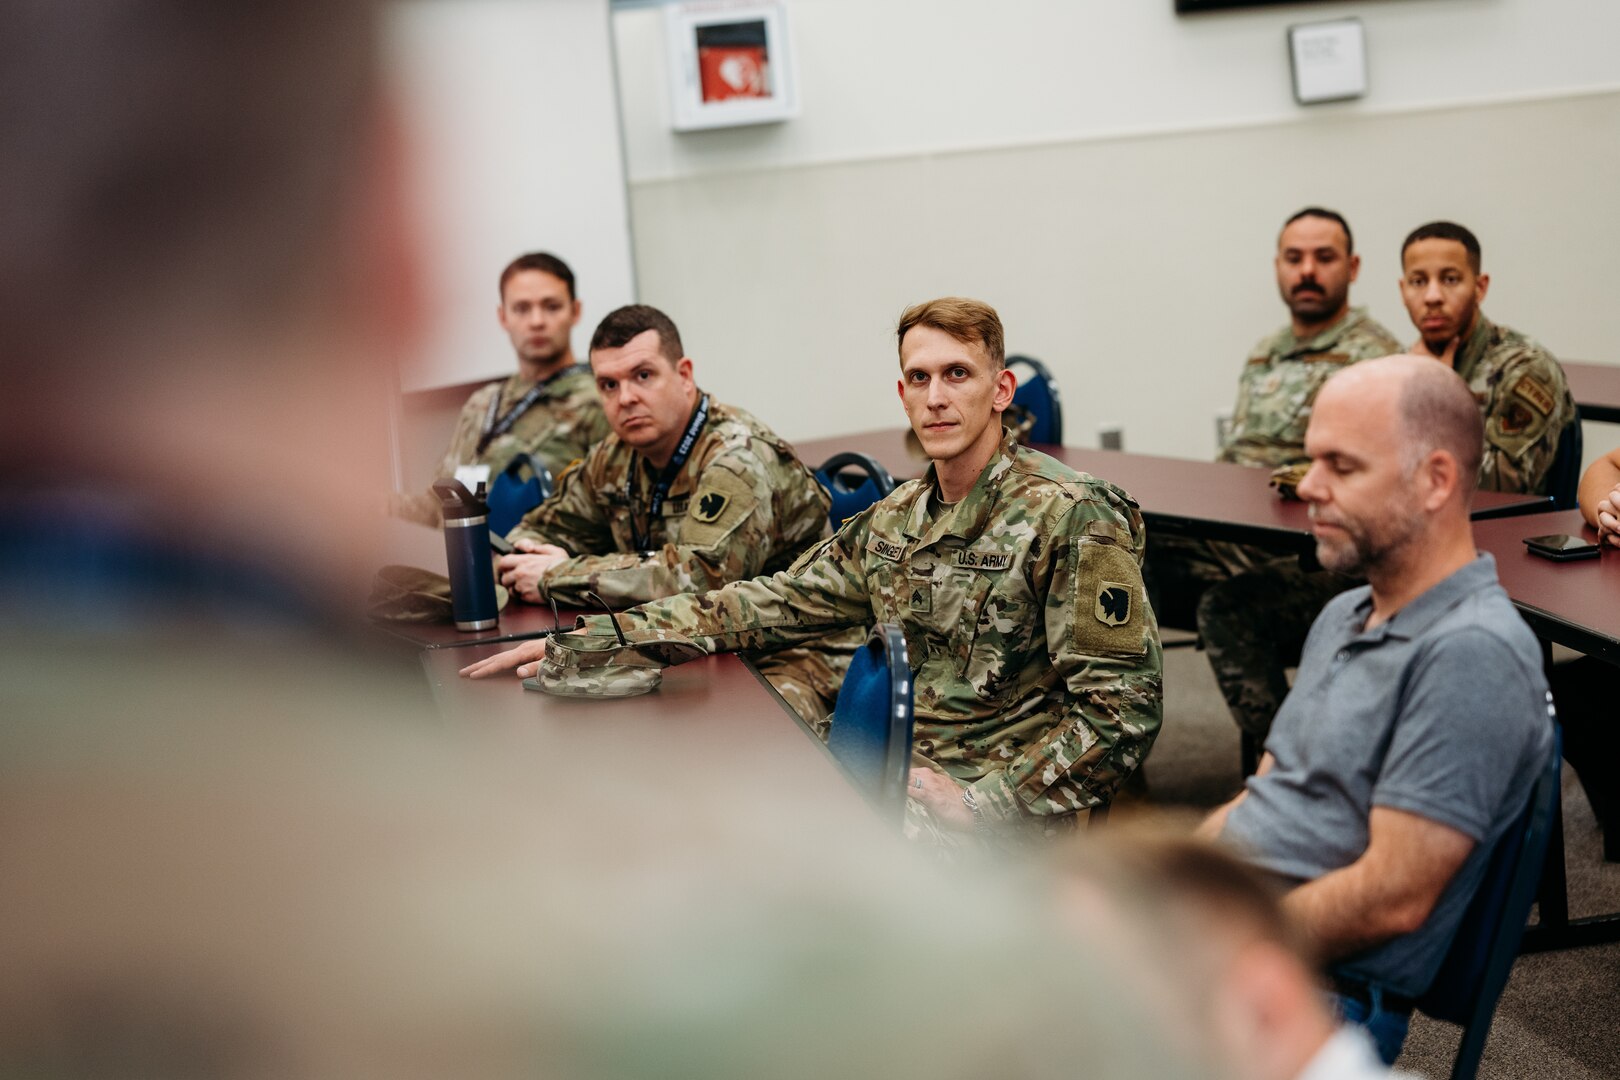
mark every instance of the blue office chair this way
{"type": "Point", "coordinates": [1476, 967]}
{"type": "Point", "coordinates": [1565, 475]}
{"type": "Point", "coordinates": [511, 496]}
{"type": "Point", "coordinates": [871, 724]}
{"type": "Point", "coordinates": [851, 492]}
{"type": "Point", "coordinates": [1038, 395]}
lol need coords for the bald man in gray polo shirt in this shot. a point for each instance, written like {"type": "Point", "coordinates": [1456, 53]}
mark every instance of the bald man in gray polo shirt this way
{"type": "Point", "coordinates": [1419, 719]}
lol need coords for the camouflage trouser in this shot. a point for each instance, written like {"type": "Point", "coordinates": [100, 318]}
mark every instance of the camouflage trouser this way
{"type": "Point", "coordinates": [808, 676]}
{"type": "Point", "coordinates": [1253, 627]}
{"type": "Point", "coordinates": [1178, 569]}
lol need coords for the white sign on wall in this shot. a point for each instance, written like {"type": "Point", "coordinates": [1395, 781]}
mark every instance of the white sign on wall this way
{"type": "Point", "coordinates": [1329, 60]}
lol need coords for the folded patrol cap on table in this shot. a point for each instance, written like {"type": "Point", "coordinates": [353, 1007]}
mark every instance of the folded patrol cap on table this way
{"type": "Point", "coordinates": [1286, 479]}
{"type": "Point", "coordinates": [578, 664]}
{"type": "Point", "coordinates": [410, 594]}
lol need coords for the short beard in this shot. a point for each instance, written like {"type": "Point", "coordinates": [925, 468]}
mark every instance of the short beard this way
{"type": "Point", "coordinates": [1371, 550]}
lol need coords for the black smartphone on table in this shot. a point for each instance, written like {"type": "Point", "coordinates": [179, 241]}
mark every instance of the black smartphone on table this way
{"type": "Point", "coordinates": [1562, 547]}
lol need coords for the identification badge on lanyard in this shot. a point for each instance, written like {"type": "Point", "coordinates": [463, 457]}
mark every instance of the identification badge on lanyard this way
{"type": "Point", "coordinates": [643, 540]}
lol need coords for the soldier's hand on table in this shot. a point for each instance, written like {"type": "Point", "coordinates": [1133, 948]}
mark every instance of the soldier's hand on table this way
{"type": "Point", "coordinates": [521, 571]}
{"type": "Point", "coordinates": [525, 657]}
{"type": "Point", "coordinates": [942, 797]}
{"type": "Point", "coordinates": [1608, 517]}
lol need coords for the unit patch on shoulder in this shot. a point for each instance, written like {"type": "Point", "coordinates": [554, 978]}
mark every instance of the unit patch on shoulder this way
{"type": "Point", "coordinates": [710, 506]}
{"type": "Point", "coordinates": [1113, 607]}
{"type": "Point", "coordinates": [1538, 395]}
{"type": "Point", "coordinates": [1516, 419]}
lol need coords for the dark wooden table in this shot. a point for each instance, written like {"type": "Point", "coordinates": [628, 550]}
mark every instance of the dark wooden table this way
{"type": "Point", "coordinates": [1198, 498]}
{"type": "Point", "coordinates": [1596, 388]}
{"type": "Point", "coordinates": [1575, 604]}
{"type": "Point", "coordinates": [718, 709]}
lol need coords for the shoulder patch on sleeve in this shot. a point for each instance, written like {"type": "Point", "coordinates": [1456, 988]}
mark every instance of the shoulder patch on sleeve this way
{"type": "Point", "coordinates": [710, 506]}
{"type": "Point", "coordinates": [721, 502]}
{"type": "Point", "coordinates": [1538, 395]}
{"type": "Point", "coordinates": [1107, 607]}
{"type": "Point", "coordinates": [1113, 606]}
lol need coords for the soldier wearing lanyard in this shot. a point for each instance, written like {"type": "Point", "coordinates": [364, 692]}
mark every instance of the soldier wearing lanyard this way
{"type": "Point", "coordinates": [548, 409]}
{"type": "Point", "coordinates": [686, 495]}
{"type": "Point", "coordinates": [1018, 585]}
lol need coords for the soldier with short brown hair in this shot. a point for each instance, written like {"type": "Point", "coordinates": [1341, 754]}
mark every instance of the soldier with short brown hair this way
{"type": "Point", "coordinates": [1016, 581]}
{"type": "Point", "coordinates": [547, 409]}
{"type": "Point", "coordinates": [685, 495]}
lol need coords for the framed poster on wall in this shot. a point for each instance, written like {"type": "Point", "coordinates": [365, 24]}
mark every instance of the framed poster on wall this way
{"type": "Point", "coordinates": [730, 63]}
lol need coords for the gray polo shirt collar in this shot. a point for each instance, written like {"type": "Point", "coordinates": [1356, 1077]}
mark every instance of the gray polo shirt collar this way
{"type": "Point", "coordinates": [1416, 617]}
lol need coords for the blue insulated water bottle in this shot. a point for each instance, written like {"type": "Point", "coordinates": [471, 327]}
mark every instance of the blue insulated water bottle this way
{"type": "Point", "coordinates": [467, 554]}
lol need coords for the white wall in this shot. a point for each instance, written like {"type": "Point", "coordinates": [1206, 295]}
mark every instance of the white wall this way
{"type": "Point", "coordinates": [889, 78]}
{"type": "Point", "coordinates": [1112, 178]}
{"type": "Point", "coordinates": [511, 113]}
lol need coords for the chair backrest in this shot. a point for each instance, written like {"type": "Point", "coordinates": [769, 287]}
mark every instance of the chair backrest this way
{"type": "Point", "coordinates": [511, 495]}
{"type": "Point", "coordinates": [871, 724]}
{"type": "Point", "coordinates": [854, 482]}
{"type": "Point", "coordinates": [1564, 478]}
{"type": "Point", "coordinates": [1476, 966]}
{"type": "Point", "coordinates": [1038, 394]}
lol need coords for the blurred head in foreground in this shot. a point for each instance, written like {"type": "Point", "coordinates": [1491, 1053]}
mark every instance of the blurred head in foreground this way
{"type": "Point", "coordinates": [1205, 937]}
{"type": "Point", "coordinates": [206, 270]}
{"type": "Point", "coordinates": [322, 898]}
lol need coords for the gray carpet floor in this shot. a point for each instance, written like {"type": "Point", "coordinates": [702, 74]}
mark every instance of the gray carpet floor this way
{"type": "Point", "coordinates": [1560, 1014]}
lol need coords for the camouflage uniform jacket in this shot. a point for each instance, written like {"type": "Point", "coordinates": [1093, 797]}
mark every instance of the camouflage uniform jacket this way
{"type": "Point", "coordinates": [1035, 656]}
{"type": "Point", "coordinates": [741, 506]}
{"type": "Point", "coordinates": [1526, 402]}
{"type": "Point", "coordinates": [558, 429]}
{"type": "Point", "coordinates": [1280, 381]}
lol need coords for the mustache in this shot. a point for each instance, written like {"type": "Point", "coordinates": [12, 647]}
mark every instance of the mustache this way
{"type": "Point", "coordinates": [1308, 286]}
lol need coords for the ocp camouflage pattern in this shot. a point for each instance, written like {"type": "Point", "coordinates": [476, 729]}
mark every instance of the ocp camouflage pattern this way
{"type": "Point", "coordinates": [1279, 382]}
{"type": "Point", "coordinates": [1526, 402]}
{"type": "Point", "coordinates": [558, 429]}
{"type": "Point", "coordinates": [742, 505]}
{"type": "Point", "coordinates": [1035, 656]}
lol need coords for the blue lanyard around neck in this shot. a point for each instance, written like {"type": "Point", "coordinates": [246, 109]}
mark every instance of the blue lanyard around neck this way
{"type": "Point", "coordinates": [661, 490]}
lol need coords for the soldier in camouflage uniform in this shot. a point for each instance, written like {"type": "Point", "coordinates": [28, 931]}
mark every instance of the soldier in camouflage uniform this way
{"type": "Point", "coordinates": [1315, 265]}
{"type": "Point", "coordinates": [548, 409]}
{"type": "Point", "coordinates": [1280, 380]}
{"type": "Point", "coordinates": [1519, 386]}
{"type": "Point", "coordinates": [735, 503]}
{"type": "Point", "coordinates": [1254, 625]}
{"type": "Point", "coordinates": [1016, 581]}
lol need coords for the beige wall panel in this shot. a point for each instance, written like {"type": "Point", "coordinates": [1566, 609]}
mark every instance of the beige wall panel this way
{"type": "Point", "coordinates": [1138, 268]}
